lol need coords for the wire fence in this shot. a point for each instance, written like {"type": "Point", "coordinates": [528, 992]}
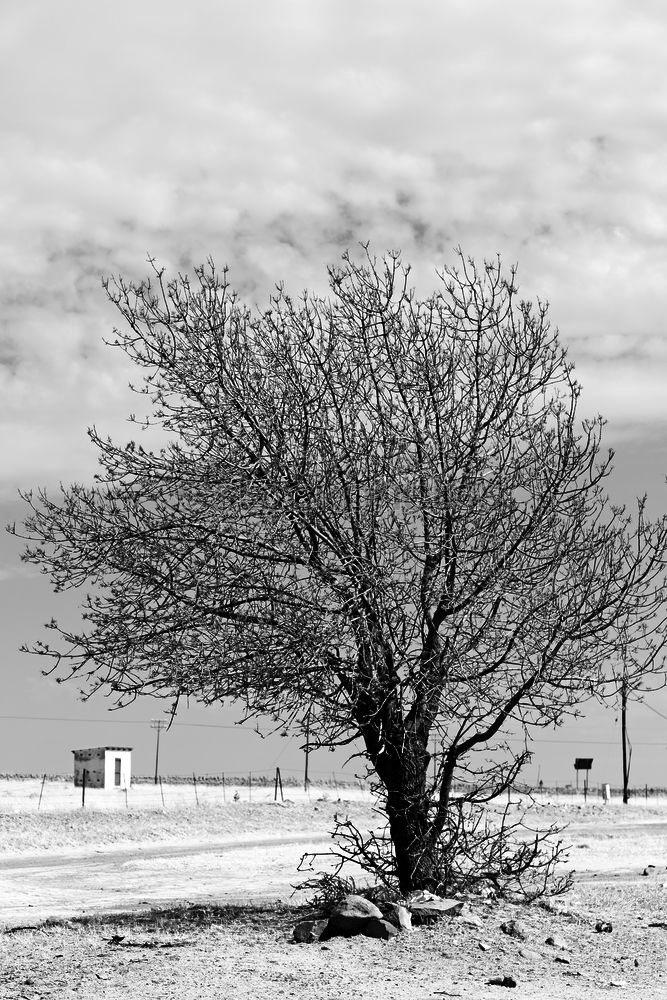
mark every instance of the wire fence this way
{"type": "Point", "coordinates": [53, 794]}
{"type": "Point", "coordinates": [57, 794]}
{"type": "Point", "coordinates": [602, 792]}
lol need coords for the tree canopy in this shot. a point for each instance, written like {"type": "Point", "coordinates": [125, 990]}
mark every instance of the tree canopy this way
{"type": "Point", "coordinates": [376, 508]}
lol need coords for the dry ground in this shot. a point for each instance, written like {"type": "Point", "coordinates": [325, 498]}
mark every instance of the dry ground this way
{"type": "Point", "coordinates": [210, 952]}
{"type": "Point", "coordinates": [36, 832]}
{"type": "Point", "coordinates": [217, 950]}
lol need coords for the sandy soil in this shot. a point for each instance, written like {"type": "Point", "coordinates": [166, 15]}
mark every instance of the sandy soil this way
{"type": "Point", "coordinates": [35, 888]}
{"type": "Point", "coordinates": [215, 948]}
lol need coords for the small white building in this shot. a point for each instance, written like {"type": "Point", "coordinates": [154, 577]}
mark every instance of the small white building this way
{"type": "Point", "coordinates": [105, 767]}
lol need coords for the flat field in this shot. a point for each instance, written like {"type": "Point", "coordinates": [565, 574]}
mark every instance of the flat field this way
{"type": "Point", "coordinates": [206, 894]}
{"type": "Point", "coordinates": [60, 794]}
{"type": "Point", "coordinates": [175, 813]}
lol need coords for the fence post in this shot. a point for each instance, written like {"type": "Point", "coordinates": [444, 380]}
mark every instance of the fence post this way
{"type": "Point", "coordinates": [41, 792]}
{"type": "Point", "coordinates": [278, 782]}
{"type": "Point", "coordinates": [83, 790]}
{"type": "Point", "coordinates": [194, 782]}
{"type": "Point", "coordinates": [161, 792]}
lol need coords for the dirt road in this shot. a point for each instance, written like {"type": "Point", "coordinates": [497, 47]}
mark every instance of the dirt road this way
{"type": "Point", "coordinates": [34, 888]}
{"type": "Point", "coordinates": [260, 867]}
{"type": "Point", "coordinates": [246, 953]}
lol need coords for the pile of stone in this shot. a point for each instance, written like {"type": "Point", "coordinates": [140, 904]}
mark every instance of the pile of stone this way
{"type": "Point", "coordinates": [357, 915]}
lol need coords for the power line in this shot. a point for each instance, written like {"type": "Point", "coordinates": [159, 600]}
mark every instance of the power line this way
{"type": "Point", "coordinates": [243, 728]}
{"type": "Point", "coordinates": [661, 714]}
{"type": "Point", "coordinates": [123, 722]}
{"type": "Point", "coordinates": [610, 743]}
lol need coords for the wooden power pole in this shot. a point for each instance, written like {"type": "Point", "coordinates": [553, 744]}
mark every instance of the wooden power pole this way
{"type": "Point", "coordinates": [158, 725]}
{"type": "Point", "coordinates": [306, 779]}
{"type": "Point", "coordinates": [624, 740]}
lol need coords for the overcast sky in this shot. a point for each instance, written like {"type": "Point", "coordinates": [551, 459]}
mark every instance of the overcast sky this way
{"type": "Point", "coordinates": [272, 136]}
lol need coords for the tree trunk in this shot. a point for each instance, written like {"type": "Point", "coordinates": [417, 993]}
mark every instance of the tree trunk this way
{"type": "Point", "coordinates": [416, 865]}
{"type": "Point", "coordinates": [404, 776]}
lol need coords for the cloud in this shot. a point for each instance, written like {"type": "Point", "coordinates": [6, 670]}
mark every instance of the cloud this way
{"type": "Point", "coordinates": [274, 138]}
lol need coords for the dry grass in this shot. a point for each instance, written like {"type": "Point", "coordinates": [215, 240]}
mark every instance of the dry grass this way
{"type": "Point", "coordinates": [60, 795]}
{"type": "Point", "coordinates": [29, 832]}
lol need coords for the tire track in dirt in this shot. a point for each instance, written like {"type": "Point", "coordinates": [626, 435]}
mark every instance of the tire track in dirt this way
{"type": "Point", "coordinates": [38, 887]}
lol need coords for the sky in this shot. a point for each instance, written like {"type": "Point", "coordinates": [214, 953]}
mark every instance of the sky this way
{"type": "Point", "coordinates": [272, 137]}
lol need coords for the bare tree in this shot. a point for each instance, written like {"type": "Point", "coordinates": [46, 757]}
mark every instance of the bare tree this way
{"type": "Point", "coordinates": [371, 511]}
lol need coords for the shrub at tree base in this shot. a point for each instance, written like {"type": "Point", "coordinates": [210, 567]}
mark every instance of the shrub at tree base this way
{"type": "Point", "coordinates": [374, 519]}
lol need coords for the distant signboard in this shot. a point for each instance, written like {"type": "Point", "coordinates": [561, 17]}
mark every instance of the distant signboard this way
{"type": "Point", "coordinates": [583, 763]}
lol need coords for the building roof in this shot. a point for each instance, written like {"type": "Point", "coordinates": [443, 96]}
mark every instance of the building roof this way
{"type": "Point", "coordinates": [93, 749]}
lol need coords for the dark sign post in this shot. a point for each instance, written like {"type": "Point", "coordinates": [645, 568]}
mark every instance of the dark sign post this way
{"type": "Point", "coordinates": [583, 764]}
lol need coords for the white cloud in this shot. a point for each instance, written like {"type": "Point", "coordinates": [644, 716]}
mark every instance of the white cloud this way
{"type": "Point", "coordinates": [273, 136]}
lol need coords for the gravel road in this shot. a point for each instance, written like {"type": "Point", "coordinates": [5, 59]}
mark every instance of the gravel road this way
{"type": "Point", "coordinates": [34, 888]}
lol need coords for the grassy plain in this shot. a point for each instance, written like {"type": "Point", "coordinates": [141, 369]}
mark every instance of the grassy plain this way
{"type": "Point", "coordinates": [24, 829]}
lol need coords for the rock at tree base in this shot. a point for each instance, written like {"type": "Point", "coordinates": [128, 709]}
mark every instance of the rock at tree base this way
{"type": "Point", "coordinates": [426, 907]}
{"type": "Point", "coordinates": [309, 931]}
{"type": "Point", "coordinates": [603, 927]}
{"type": "Point", "coordinates": [399, 916]}
{"type": "Point", "coordinates": [378, 927]}
{"type": "Point", "coordinates": [350, 916]}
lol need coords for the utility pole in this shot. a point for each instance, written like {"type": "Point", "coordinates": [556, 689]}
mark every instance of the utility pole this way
{"type": "Point", "coordinates": [306, 779]}
{"type": "Point", "coordinates": [158, 725]}
{"type": "Point", "coordinates": [624, 740]}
